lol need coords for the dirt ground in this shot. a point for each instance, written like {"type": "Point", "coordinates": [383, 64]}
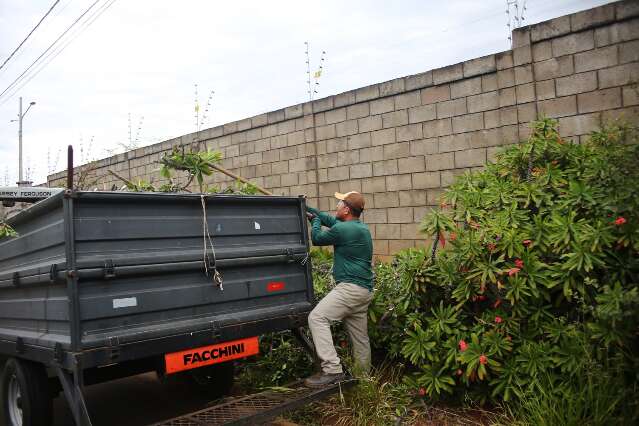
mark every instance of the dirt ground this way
{"type": "Point", "coordinates": [133, 401]}
{"type": "Point", "coordinates": [143, 400]}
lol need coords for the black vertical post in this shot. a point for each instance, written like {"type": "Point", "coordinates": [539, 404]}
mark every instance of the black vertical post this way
{"type": "Point", "coordinates": [70, 167]}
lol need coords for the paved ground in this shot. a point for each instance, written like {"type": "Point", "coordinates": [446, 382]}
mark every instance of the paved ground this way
{"type": "Point", "coordinates": [134, 401]}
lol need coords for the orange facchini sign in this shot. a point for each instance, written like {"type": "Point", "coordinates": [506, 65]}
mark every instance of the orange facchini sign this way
{"type": "Point", "coordinates": [208, 355]}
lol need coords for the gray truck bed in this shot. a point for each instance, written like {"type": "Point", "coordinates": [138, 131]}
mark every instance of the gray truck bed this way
{"type": "Point", "coordinates": [93, 270]}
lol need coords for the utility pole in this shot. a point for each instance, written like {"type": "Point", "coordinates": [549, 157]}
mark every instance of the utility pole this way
{"type": "Point", "coordinates": [21, 181]}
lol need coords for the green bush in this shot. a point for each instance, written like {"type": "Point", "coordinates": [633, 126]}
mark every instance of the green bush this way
{"type": "Point", "coordinates": [6, 230]}
{"type": "Point", "coordinates": [538, 266]}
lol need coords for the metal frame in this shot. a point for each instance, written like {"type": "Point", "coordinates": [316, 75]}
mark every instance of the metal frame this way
{"type": "Point", "coordinates": [152, 347]}
{"type": "Point", "coordinates": [245, 416]}
{"type": "Point", "coordinates": [72, 273]}
{"type": "Point", "coordinates": [72, 384]}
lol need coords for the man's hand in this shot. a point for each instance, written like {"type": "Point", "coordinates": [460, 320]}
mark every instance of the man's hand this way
{"type": "Point", "coordinates": [310, 216]}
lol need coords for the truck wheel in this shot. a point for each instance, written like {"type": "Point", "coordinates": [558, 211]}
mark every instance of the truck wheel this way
{"type": "Point", "coordinates": [24, 389]}
{"type": "Point", "coordinates": [215, 380]}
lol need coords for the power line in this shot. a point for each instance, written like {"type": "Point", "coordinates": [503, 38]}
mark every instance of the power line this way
{"type": "Point", "coordinates": [59, 49]}
{"type": "Point", "coordinates": [49, 22]}
{"type": "Point", "coordinates": [48, 48]}
{"type": "Point", "coordinates": [29, 35]}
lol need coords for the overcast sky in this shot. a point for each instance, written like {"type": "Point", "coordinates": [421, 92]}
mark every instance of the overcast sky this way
{"type": "Point", "coordinates": [143, 57]}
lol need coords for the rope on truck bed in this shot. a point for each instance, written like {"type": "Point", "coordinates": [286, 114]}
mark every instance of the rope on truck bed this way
{"type": "Point", "coordinates": [207, 240]}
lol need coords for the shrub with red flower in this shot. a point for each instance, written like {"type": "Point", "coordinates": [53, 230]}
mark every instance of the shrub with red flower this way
{"type": "Point", "coordinates": [513, 271]}
{"type": "Point", "coordinates": [555, 256]}
{"type": "Point", "coordinates": [463, 345]}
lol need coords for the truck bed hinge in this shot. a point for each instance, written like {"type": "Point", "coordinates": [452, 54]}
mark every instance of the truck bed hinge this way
{"type": "Point", "coordinates": [109, 269]}
{"type": "Point", "coordinates": [289, 254]}
{"type": "Point", "coordinates": [58, 354]}
{"type": "Point", "coordinates": [53, 273]}
{"type": "Point", "coordinates": [19, 345]}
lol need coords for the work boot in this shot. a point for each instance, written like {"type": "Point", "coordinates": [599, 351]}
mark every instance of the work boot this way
{"type": "Point", "coordinates": [323, 379]}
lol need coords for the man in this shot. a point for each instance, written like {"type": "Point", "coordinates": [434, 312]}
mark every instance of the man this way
{"type": "Point", "coordinates": [349, 300]}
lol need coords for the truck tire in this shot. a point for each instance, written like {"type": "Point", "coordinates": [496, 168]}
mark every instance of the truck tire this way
{"type": "Point", "coordinates": [24, 389]}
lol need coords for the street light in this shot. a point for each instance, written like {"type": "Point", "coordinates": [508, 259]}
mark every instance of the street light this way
{"type": "Point", "coordinates": [21, 116]}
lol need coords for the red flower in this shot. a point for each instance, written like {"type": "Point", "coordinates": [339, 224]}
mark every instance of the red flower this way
{"type": "Point", "coordinates": [459, 372]}
{"type": "Point", "coordinates": [422, 391]}
{"type": "Point", "coordinates": [620, 221]}
{"type": "Point", "coordinates": [343, 343]}
{"type": "Point", "coordinates": [481, 298]}
{"type": "Point", "coordinates": [513, 271]}
{"type": "Point", "coordinates": [452, 236]}
{"type": "Point", "coordinates": [497, 303]}
{"type": "Point", "coordinates": [482, 359]}
{"type": "Point", "coordinates": [463, 345]}
{"type": "Point", "coordinates": [498, 319]}
{"type": "Point", "coordinates": [509, 338]}
{"type": "Point", "coordinates": [519, 263]}
{"type": "Point", "coordinates": [442, 240]}
{"type": "Point", "coordinates": [443, 204]}
{"type": "Point", "coordinates": [527, 243]}
{"type": "Point", "coordinates": [491, 246]}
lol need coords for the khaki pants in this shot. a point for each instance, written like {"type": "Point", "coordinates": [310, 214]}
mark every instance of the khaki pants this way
{"type": "Point", "coordinates": [347, 302]}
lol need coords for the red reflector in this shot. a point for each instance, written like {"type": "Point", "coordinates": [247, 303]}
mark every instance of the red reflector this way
{"type": "Point", "coordinates": [275, 286]}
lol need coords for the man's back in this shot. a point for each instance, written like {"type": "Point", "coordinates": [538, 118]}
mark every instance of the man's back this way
{"type": "Point", "coordinates": [354, 254]}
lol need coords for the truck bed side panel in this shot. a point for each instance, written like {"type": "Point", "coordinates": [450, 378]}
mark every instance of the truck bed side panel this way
{"type": "Point", "coordinates": [156, 249]}
{"type": "Point", "coordinates": [37, 313]}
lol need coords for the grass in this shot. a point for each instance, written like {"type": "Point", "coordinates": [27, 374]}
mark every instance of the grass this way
{"type": "Point", "coordinates": [592, 398]}
{"type": "Point", "coordinates": [382, 398]}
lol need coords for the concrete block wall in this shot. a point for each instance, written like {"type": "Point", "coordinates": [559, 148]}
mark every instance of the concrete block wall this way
{"type": "Point", "coordinates": [402, 142]}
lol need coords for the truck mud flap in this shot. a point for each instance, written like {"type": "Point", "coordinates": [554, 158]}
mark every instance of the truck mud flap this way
{"type": "Point", "coordinates": [258, 407]}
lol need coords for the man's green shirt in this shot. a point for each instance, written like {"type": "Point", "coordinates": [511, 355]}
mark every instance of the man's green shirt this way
{"type": "Point", "coordinates": [353, 247]}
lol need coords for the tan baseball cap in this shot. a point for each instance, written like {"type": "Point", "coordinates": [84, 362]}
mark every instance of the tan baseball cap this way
{"type": "Point", "coordinates": [353, 199]}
